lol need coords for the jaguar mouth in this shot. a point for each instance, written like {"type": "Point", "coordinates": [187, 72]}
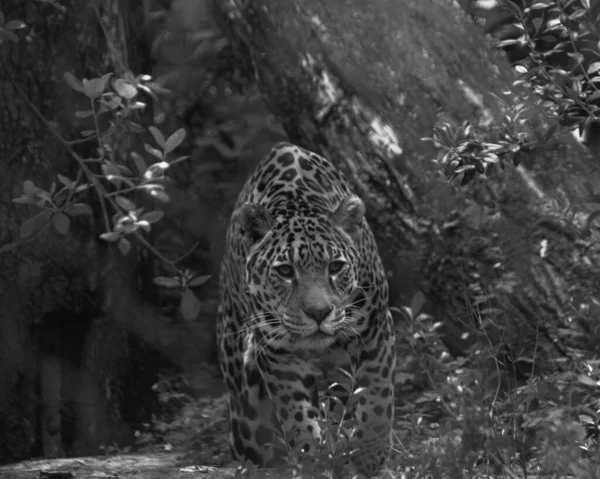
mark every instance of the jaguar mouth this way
{"type": "Point", "coordinates": [320, 333]}
{"type": "Point", "coordinates": [316, 342]}
{"type": "Point", "coordinates": [314, 336]}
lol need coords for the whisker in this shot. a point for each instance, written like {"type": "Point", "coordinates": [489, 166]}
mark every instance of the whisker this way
{"type": "Point", "coordinates": [347, 326]}
{"type": "Point", "coordinates": [354, 308]}
{"type": "Point", "coordinates": [279, 333]}
{"type": "Point", "coordinates": [272, 319]}
{"type": "Point", "coordinates": [252, 327]}
{"type": "Point", "coordinates": [367, 288]}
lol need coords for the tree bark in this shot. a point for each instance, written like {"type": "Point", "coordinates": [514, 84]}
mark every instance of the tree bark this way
{"type": "Point", "coordinates": [362, 83]}
{"type": "Point", "coordinates": [49, 278]}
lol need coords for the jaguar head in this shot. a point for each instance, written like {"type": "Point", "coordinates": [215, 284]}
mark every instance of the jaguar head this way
{"type": "Point", "coordinates": [302, 275]}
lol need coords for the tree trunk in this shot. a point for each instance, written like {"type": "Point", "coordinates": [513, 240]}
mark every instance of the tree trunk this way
{"type": "Point", "coordinates": [362, 83]}
{"type": "Point", "coordinates": [47, 281]}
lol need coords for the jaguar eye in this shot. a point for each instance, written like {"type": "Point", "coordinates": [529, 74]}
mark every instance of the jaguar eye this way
{"type": "Point", "coordinates": [336, 266]}
{"type": "Point", "coordinates": [285, 271]}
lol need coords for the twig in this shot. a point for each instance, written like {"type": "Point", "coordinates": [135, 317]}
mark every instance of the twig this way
{"type": "Point", "coordinates": [100, 190]}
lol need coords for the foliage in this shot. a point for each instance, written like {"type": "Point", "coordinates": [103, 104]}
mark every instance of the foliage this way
{"type": "Point", "coordinates": [462, 420]}
{"type": "Point", "coordinates": [538, 425]}
{"type": "Point", "coordinates": [331, 451]}
{"type": "Point", "coordinates": [468, 152]}
{"type": "Point", "coordinates": [562, 60]}
{"type": "Point", "coordinates": [120, 176]}
{"type": "Point", "coordinates": [560, 64]}
{"type": "Point", "coordinates": [468, 423]}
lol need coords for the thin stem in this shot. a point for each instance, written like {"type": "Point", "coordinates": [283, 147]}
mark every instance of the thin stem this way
{"type": "Point", "coordinates": [167, 261]}
{"type": "Point", "coordinates": [189, 251]}
{"type": "Point", "coordinates": [91, 137]}
{"type": "Point", "coordinates": [120, 192]}
{"type": "Point", "coordinates": [178, 160]}
{"type": "Point", "coordinates": [103, 196]}
{"type": "Point", "coordinates": [97, 127]}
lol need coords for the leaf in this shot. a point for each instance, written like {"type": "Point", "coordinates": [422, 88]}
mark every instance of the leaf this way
{"type": "Point", "coordinates": [33, 225]}
{"type": "Point", "coordinates": [334, 386]}
{"type": "Point", "coordinates": [464, 168]}
{"type": "Point", "coordinates": [64, 180]}
{"type": "Point", "coordinates": [103, 80]}
{"type": "Point", "coordinates": [8, 247]}
{"type": "Point", "coordinates": [593, 97]}
{"type": "Point", "coordinates": [113, 102]}
{"type": "Point", "coordinates": [359, 391]}
{"type": "Point", "coordinates": [345, 373]}
{"type": "Point", "coordinates": [416, 304]}
{"type": "Point", "coordinates": [593, 68]}
{"type": "Point", "coordinates": [14, 25]}
{"type": "Point", "coordinates": [539, 5]}
{"type": "Point", "coordinates": [520, 69]}
{"type": "Point", "coordinates": [138, 105]}
{"type": "Point", "coordinates": [73, 81]}
{"type": "Point", "coordinates": [110, 169]}
{"type": "Point", "coordinates": [143, 225]}
{"type": "Point", "coordinates": [124, 246]}
{"type": "Point", "coordinates": [166, 282]}
{"type": "Point", "coordinates": [24, 200]}
{"type": "Point", "coordinates": [152, 216]}
{"type": "Point", "coordinates": [134, 127]}
{"type": "Point", "coordinates": [125, 203]}
{"type": "Point", "coordinates": [174, 140]}
{"type": "Point", "coordinates": [29, 188]}
{"type": "Point", "coordinates": [123, 169]}
{"type": "Point", "coordinates": [330, 441]}
{"type": "Point", "coordinates": [8, 35]}
{"type": "Point", "coordinates": [78, 209]}
{"type": "Point", "coordinates": [158, 136]}
{"type": "Point", "coordinates": [153, 151]}
{"type": "Point", "coordinates": [125, 89]}
{"type": "Point", "coordinates": [199, 281]}
{"type": "Point", "coordinates": [94, 87]}
{"type": "Point", "coordinates": [62, 223]}
{"type": "Point", "coordinates": [156, 170]}
{"type": "Point", "coordinates": [588, 381]}
{"type": "Point", "coordinates": [160, 195]}
{"type": "Point", "coordinates": [43, 194]}
{"type": "Point", "coordinates": [139, 162]}
{"type": "Point", "coordinates": [110, 236]}
{"type": "Point", "coordinates": [593, 216]}
{"type": "Point", "coordinates": [84, 113]}
{"type": "Point", "coordinates": [190, 305]}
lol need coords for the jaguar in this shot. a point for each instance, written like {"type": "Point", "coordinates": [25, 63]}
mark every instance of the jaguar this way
{"type": "Point", "coordinates": [303, 301]}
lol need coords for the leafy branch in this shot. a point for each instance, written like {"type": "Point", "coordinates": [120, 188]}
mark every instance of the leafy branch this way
{"type": "Point", "coordinates": [116, 99]}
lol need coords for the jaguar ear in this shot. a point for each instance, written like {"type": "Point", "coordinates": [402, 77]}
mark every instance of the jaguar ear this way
{"type": "Point", "coordinates": [349, 214]}
{"type": "Point", "coordinates": [255, 222]}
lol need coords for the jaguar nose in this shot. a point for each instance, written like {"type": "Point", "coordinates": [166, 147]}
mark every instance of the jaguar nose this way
{"type": "Point", "coordinates": [318, 314]}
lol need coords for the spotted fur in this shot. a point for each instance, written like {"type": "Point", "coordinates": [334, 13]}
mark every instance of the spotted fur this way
{"type": "Point", "coordinates": [303, 292]}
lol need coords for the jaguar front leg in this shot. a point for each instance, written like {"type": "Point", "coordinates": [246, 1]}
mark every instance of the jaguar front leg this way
{"type": "Point", "coordinates": [292, 388]}
{"type": "Point", "coordinates": [375, 405]}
